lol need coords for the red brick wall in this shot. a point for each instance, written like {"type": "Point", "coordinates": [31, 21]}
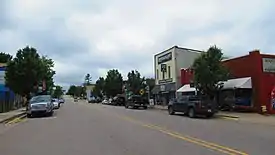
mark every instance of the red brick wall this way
{"type": "Point", "coordinates": [186, 76]}
{"type": "Point", "coordinates": [248, 66]}
{"type": "Point", "coordinates": [262, 83]}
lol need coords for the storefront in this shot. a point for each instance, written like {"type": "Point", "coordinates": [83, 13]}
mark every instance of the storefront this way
{"type": "Point", "coordinates": [261, 69]}
{"type": "Point", "coordinates": [167, 66]}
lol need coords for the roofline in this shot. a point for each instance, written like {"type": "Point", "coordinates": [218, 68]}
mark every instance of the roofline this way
{"type": "Point", "coordinates": [235, 58]}
{"type": "Point", "coordinates": [193, 50]}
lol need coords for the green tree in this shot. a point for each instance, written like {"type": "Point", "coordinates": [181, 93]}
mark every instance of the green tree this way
{"type": "Point", "coordinates": [99, 87]}
{"type": "Point", "coordinates": [72, 90]}
{"type": "Point", "coordinates": [27, 70]}
{"type": "Point", "coordinates": [5, 57]}
{"type": "Point", "coordinates": [209, 71]}
{"type": "Point", "coordinates": [88, 79]}
{"type": "Point", "coordinates": [58, 92]}
{"type": "Point", "coordinates": [150, 82]}
{"type": "Point", "coordinates": [47, 65]}
{"type": "Point", "coordinates": [113, 83]}
{"type": "Point", "coordinates": [135, 82]}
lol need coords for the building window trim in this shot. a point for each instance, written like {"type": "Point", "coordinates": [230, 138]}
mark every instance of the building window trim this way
{"type": "Point", "coordinates": [169, 72]}
{"type": "Point", "coordinates": [157, 75]}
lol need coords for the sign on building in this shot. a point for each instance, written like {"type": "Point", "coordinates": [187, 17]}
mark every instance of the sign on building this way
{"type": "Point", "coordinates": [165, 58]}
{"type": "Point", "coordinates": [269, 65]}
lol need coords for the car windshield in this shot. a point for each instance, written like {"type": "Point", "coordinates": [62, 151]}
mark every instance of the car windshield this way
{"type": "Point", "coordinates": [42, 98]}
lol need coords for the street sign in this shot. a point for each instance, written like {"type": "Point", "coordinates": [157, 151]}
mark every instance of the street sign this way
{"type": "Point", "coordinates": [141, 91]}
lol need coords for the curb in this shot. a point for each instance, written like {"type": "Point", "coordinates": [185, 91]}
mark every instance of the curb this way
{"type": "Point", "coordinates": [157, 108]}
{"type": "Point", "coordinates": [228, 116]}
{"type": "Point", "coordinates": [13, 117]}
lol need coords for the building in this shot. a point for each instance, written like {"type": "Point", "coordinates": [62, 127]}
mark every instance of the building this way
{"type": "Point", "coordinates": [261, 69]}
{"type": "Point", "coordinates": [254, 74]}
{"type": "Point", "coordinates": [8, 99]}
{"type": "Point", "coordinates": [167, 66]}
{"type": "Point", "coordinates": [89, 91]}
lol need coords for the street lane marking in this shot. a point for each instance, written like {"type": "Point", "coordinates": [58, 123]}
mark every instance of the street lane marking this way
{"type": "Point", "coordinates": [230, 118]}
{"type": "Point", "coordinates": [16, 120]}
{"type": "Point", "coordinates": [209, 145]}
{"type": "Point", "coordinates": [200, 142]}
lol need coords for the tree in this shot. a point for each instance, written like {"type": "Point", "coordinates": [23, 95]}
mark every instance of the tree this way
{"type": "Point", "coordinates": [113, 83]}
{"type": "Point", "coordinates": [209, 71]}
{"type": "Point", "coordinates": [72, 90]}
{"type": "Point", "coordinates": [135, 82]}
{"type": "Point", "coordinates": [58, 92]}
{"type": "Point", "coordinates": [150, 82]}
{"type": "Point", "coordinates": [27, 70]}
{"type": "Point", "coordinates": [88, 79]}
{"type": "Point", "coordinates": [4, 57]}
{"type": "Point", "coordinates": [99, 87]}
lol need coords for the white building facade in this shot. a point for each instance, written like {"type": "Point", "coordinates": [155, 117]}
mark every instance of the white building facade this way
{"type": "Point", "coordinates": [167, 67]}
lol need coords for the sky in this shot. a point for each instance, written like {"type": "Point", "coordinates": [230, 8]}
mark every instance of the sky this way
{"type": "Point", "coordinates": [93, 36]}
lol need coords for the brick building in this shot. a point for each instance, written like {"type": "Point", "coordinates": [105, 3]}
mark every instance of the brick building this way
{"type": "Point", "coordinates": [260, 68]}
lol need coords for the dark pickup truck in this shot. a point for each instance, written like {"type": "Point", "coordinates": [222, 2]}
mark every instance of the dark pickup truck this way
{"type": "Point", "coordinates": [136, 101]}
{"type": "Point", "coordinates": [193, 106]}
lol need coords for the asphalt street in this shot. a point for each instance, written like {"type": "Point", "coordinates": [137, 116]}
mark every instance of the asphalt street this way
{"type": "Point", "coordinates": [94, 129]}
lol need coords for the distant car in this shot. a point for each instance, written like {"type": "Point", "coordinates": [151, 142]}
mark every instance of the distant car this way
{"type": "Point", "coordinates": [119, 100]}
{"type": "Point", "coordinates": [56, 103]}
{"type": "Point", "coordinates": [41, 104]}
{"type": "Point", "coordinates": [136, 101]}
{"type": "Point", "coordinates": [105, 101]}
{"type": "Point", "coordinates": [61, 100]}
{"type": "Point", "coordinates": [192, 106]}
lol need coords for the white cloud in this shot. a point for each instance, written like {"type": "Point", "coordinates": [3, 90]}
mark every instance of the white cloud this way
{"type": "Point", "coordinates": [123, 33]}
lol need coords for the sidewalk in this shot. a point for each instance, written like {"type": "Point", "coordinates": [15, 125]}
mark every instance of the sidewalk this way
{"type": "Point", "coordinates": [11, 114]}
{"type": "Point", "coordinates": [242, 117]}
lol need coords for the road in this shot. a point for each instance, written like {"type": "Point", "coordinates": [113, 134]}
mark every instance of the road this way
{"type": "Point", "coordinates": [94, 129]}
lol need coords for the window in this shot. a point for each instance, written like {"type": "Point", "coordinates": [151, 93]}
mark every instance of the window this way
{"type": "Point", "coordinates": [169, 72]}
{"type": "Point", "coordinates": [157, 76]}
{"type": "Point", "coordinates": [163, 75]}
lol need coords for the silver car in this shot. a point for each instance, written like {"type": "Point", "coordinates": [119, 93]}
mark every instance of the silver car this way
{"type": "Point", "coordinates": [41, 104]}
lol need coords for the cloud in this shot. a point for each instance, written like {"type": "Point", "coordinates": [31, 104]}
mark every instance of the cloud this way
{"type": "Point", "coordinates": [93, 36]}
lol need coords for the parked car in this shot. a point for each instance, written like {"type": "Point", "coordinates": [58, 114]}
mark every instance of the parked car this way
{"type": "Point", "coordinates": [92, 99]}
{"type": "Point", "coordinates": [105, 101]}
{"type": "Point", "coordinates": [119, 100]}
{"type": "Point", "coordinates": [136, 101]}
{"type": "Point", "coordinates": [41, 104]}
{"type": "Point", "coordinates": [56, 103]}
{"type": "Point", "coordinates": [75, 99]}
{"type": "Point", "coordinates": [193, 106]}
{"type": "Point", "coordinates": [61, 100]}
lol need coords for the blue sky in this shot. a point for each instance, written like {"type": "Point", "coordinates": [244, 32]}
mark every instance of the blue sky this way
{"type": "Point", "coordinates": [93, 36]}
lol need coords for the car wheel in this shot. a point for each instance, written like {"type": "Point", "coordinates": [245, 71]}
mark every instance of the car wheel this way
{"type": "Point", "coordinates": [50, 113]}
{"type": "Point", "coordinates": [209, 115]}
{"type": "Point", "coordinates": [171, 111]}
{"type": "Point", "coordinates": [29, 115]}
{"type": "Point", "coordinates": [145, 107]}
{"type": "Point", "coordinates": [191, 113]}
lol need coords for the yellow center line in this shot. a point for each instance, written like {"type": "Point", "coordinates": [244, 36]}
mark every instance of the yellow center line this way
{"type": "Point", "coordinates": [209, 145]}
{"type": "Point", "coordinates": [15, 120]}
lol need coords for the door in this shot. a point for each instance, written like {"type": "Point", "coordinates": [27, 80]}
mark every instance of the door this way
{"type": "Point", "coordinates": [181, 104]}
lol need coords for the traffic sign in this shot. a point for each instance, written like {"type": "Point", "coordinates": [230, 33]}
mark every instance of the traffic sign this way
{"type": "Point", "coordinates": [141, 91]}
